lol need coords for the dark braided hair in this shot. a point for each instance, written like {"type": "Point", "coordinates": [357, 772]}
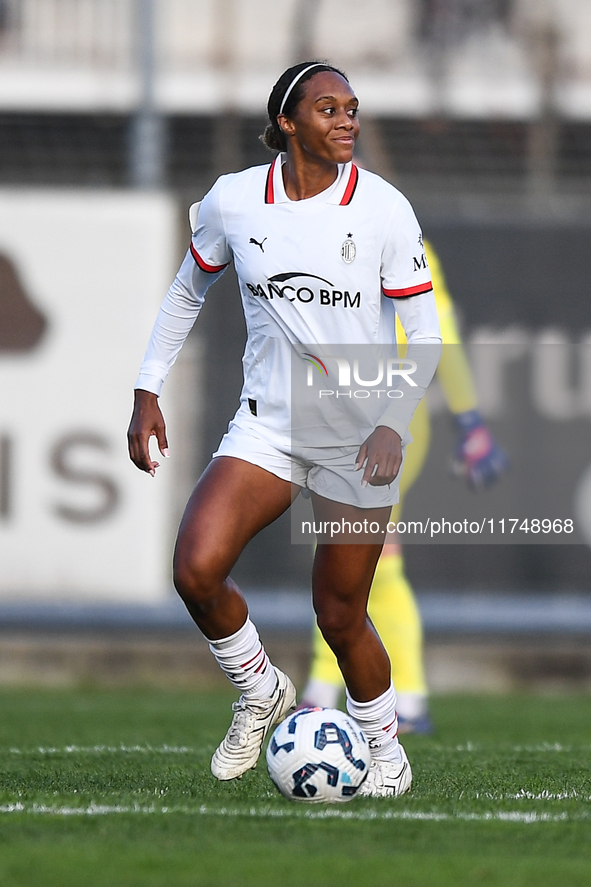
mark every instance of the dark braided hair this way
{"type": "Point", "coordinates": [273, 137]}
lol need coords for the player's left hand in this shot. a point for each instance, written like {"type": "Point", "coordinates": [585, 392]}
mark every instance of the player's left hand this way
{"type": "Point", "coordinates": [478, 457]}
{"type": "Point", "coordinates": [380, 456]}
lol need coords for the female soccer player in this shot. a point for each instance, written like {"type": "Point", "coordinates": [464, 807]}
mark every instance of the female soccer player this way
{"type": "Point", "coordinates": [304, 233]}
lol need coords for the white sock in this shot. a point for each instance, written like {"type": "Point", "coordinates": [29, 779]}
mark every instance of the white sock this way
{"type": "Point", "coordinates": [411, 705]}
{"type": "Point", "coordinates": [321, 693]}
{"type": "Point", "coordinates": [378, 720]}
{"type": "Point", "coordinates": [243, 659]}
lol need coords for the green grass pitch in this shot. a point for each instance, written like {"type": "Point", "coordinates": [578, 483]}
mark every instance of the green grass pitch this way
{"type": "Point", "coordinates": [112, 789]}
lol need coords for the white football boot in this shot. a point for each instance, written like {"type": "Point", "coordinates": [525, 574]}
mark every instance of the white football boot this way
{"type": "Point", "coordinates": [239, 751]}
{"type": "Point", "coordinates": [387, 779]}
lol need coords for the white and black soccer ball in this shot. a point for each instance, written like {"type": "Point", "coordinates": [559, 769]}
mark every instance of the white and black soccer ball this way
{"type": "Point", "coordinates": [318, 755]}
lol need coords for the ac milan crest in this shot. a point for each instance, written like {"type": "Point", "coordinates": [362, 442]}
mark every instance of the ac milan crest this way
{"type": "Point", "coordinates": [348, 250]}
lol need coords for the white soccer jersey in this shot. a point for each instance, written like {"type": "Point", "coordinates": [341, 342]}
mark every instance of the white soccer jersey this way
{"type": "Point", "coordinates": [325, 270]}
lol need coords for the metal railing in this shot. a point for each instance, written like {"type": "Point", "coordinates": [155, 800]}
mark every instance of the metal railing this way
{"type": "Point", "coordinates": [389, 34]}
{"type": "Point", "coordinates": [78, 33]}
{"type": "Point", "coordinates": [520, 60]}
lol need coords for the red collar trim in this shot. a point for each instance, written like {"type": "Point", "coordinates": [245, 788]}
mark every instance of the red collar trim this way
{"type": "Point", "coordinates": [347, 196]}
{"type": "Point", "coordinates": [269, 189]}
{"type": "Point", "coordinates": [351, 185]}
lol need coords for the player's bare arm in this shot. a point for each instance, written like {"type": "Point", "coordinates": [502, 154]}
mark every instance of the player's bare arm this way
{"type": "Point", "coordinates": [146, 421]}
{"type": "Point", "coordinates": [380, 456]}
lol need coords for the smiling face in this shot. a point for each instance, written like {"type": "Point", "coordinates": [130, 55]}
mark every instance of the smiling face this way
{"type": "Point", "coordinates": [324, 124]}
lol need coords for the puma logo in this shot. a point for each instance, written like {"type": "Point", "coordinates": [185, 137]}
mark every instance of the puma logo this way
{"type": "Point", "coordinates": [252, 240]}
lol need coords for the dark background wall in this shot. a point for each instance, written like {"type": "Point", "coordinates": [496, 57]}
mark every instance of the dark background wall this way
{"type": "Point", "coordinates": [501, 273]}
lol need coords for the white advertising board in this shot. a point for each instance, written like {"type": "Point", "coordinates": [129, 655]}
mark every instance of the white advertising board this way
{"type": "Point", "coordinates": [81, 277]}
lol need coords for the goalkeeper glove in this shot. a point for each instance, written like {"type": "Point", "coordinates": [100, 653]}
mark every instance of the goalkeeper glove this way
{"type": "Point", "coordinates": [477, 456]}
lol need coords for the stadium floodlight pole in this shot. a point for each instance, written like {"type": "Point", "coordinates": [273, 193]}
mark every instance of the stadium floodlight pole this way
{"type": "Point", "coordinates": [227, 152]}
{"type": "Point", "coordinates": [542, 147]}
{"type": "Point", "coordinates": [305, 15]}
{"type": "Point", "coordinates": [442, 27]}
{"type": "Point", "coordinates": [147, 133]}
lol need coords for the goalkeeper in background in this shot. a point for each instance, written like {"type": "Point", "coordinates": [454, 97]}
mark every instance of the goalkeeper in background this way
{"type": "Point", "coordinates": [392, 606]}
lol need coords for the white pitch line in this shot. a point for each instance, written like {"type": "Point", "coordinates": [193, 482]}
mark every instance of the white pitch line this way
{"type": "Point", "coordinates": [295, 813]}
{"type": "Point", "coordinates": [105, 749]}
{"type": "Point", "coordinates": [187, 750]}
{"type": "Point", "coordinates": [525, 795]}
{"type": "Point", "coordinates": [539, 747]}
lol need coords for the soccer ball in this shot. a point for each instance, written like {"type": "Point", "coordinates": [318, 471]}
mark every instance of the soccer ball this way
{"type": "Point", "coordinates": [318, 755]}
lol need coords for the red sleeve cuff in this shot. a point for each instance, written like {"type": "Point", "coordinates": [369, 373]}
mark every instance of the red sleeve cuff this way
{"type": "Point", "coordinates": [211, 269]}
{"type": "Point", "coordinates": [409, 291]}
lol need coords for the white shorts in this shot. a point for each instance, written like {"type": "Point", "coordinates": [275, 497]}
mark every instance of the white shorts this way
{"type": "Point", "coordinates": [328, 471]}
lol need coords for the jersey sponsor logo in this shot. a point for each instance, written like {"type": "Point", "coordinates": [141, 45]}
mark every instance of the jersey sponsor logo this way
{"type": "Point", "coordinates": [288, 285]}
{"type": "Point", "coordinates": [348, 250]}
{"type": "Point", "coordinates": [420, 263]}
{"type": "Point", "coordinates": [252, 240]}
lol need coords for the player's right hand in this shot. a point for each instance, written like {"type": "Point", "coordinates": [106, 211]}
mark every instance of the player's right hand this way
{"type": "Point", "coordinates": [146, 421]}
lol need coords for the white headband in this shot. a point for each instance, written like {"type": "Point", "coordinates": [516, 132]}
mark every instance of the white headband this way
{"type": "Point", "coordinates": [295, 80]}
